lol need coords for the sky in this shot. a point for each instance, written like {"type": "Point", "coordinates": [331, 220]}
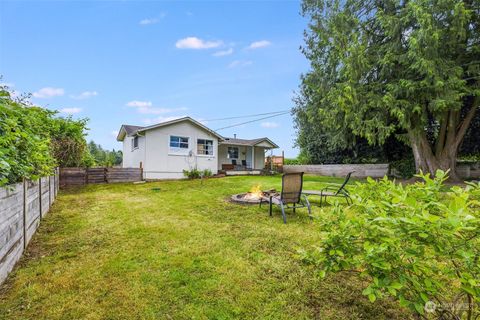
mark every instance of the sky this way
{"type": "Point", "coordinates": [144, 62]}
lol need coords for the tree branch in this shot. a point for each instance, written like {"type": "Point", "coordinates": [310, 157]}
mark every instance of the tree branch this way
{"type": "Point", "coordinates": [466, 122]}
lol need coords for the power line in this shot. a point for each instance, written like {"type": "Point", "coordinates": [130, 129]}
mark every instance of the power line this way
{"type": "Point", "coordinates": [248, 116]}
{"type": "Point", "coordinates": [242, 123]}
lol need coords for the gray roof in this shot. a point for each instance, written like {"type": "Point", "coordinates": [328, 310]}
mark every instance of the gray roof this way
{"type": "Point", "coordinates": [247, 142]}
{"type": "Point", "coordinates": [131, 129]}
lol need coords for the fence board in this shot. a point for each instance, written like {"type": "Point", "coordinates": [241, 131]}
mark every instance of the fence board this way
{"type": "Point", "coordinates": [81, 176]}
{"type": "Point", "coordinates": [20, 217]}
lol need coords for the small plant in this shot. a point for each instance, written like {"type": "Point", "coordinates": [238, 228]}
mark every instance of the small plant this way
{"type": "Point", "coordinates": [207, 173]}
{"type": "Point", "coordinates": [192, 174]}
{"type": "Point", "coordinates": [417, 244]}
{"type": "Point", "coordinates": [197, 174]}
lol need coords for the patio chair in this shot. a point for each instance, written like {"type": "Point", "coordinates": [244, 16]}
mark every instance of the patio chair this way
{"type": "Point", "coordinates": [338, 191]}
{"type": "Point", "coordinates": [291, 196]}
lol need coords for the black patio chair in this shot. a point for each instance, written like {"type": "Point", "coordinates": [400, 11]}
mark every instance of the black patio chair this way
{"type": "Point", "coordinates": [291, 196]}
{"type": "Point", "coordinates": [332, 191]}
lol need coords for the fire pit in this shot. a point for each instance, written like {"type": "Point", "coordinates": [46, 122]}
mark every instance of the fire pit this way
{"type": "Point", "coordinates": [254, 196]}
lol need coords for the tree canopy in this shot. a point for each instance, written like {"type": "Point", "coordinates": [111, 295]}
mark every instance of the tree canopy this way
{"type": "Point", "coordinates": [404, 68]}
{"type": "Point", "coordinates": [33, 140]}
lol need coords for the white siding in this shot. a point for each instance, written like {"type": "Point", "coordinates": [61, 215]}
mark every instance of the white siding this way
{"type": "Point", "coordinates": [259, 158]}
{"type": "Point", "coordinates": [132, 158]}
{"type": "Point", "coordinates": [161, 164]}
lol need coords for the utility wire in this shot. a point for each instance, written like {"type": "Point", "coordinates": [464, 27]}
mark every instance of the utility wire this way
{"type": "Point", "coordinates": [248, 116]}
{"type": "Point", "coordinates": [242, 123]}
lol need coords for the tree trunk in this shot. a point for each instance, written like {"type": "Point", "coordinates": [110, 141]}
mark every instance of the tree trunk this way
{"type": "Point", "coordinates": [425, 159]}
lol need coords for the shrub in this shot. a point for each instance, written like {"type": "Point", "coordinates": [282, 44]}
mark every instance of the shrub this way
{"type": "Point", "coordinates": [404, 168]}
{"type": "Point", "coordinates": [207, 173]}
{"type": "Point", "coordinates": [33, 141]}
{"type": "Point", "coordinates": [416, 243]}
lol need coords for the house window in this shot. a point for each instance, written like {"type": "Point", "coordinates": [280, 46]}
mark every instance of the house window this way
{"type": "Point", "coordinates": [205, 147]}
{"type": "Point", "coordinates": [178, 144]}
{"type": "Point", "coordinates": [232, 152]}
{"type": "Point", "coordinates": [135, 143]}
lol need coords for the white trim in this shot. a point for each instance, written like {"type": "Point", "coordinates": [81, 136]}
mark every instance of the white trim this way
{"type": "Point", "coordinates": [133, 143]}
{"type": "Point", "coordinates": [162, 124]}
{"type": "Point", "coordinates": [184, 151]}
{"type": "Point", "coordinates": [205, 155]}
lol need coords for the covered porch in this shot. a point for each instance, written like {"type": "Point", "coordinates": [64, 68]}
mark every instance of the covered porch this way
{"type": "Point", "coordinates": [243, 157]}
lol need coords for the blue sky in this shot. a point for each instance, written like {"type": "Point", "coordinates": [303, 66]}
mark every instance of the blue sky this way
{"type": "Point", "coordinates": [143, 62]}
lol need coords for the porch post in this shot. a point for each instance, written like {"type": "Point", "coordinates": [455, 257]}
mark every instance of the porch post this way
{"type": "Point", "coordinates": [253, 157]}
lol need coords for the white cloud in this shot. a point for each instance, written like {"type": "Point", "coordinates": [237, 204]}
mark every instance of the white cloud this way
{"type": "Point", "coordinates": [268, 124]}
{"type": "Point", "coordinates": [161, 119]}
{"type": "Point", "coordinates": [146, 107]}
{"type": "Point", "coordinates": [70, 110]}
{"type": "Point", "coordinates": [49, 92]}
{"type": "Point", "coordinates": [148, 110]}
{"type": "Point", "coordinates": [85, 95]}
{"type": "Point", "coordinates": [145, 22]}
{"type": "Point", "coordinates": [114, 133]}
{"type": "Point", "coordinates": [188, 13]}
{"type": "Point", "coordinates": [196, 43]}
{"type": "Point", "coordinates": [7, 84]}
{"type": "Point", "coordinates": [223, 53]}
{"type": "Point", "coordinates": [139, 104]}
{"type": "Point", "coordinates": [239, 63]}
{"type": "Point", "coordinates": [148, 21]}
{"type": "Point", "coordinates": [259, 44]}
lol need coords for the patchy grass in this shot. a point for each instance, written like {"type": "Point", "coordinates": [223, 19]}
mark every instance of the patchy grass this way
{"type": "Point", "coordinates": [124, 251]}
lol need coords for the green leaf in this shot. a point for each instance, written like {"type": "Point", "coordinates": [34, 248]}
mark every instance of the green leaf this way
{"type": "Point", "coordinates": [372, 297]}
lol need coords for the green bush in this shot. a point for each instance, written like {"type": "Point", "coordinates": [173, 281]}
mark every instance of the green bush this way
{"type": "Point", "coordinates": [207, 173]}
{"type": "Point", "coordinates": [404, 168]}
{"type": "Point", "coordinates": [33, 141]}
{"type": "Point", "coordinates": [197, 174]}
{"type": "Point", "coordinates": [415, 243]}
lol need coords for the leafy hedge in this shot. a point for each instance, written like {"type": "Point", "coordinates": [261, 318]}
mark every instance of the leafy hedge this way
{"type": "Point", "coordinates": [33, 141]}
{"type": "Point", "coordinates": [419, 244]}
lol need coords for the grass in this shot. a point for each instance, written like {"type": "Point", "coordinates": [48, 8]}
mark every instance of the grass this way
{"type": "Point", "coordinates": [124, 251]}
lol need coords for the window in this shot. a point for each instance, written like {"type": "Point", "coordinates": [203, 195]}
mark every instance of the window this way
{"type": "Point", "coordinates": [178, 144]}
{"type": "Point", "coordinates": [135, 143]}
{"type": "Point", "coordinates": [205, 147]}
{"type": "Point", "coordinates": [232, 152]}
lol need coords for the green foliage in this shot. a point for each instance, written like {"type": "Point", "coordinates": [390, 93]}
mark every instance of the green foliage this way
{"type": "Point", "coordinates": [404, 168]}
{"type": "Point", "coordinates": [33, 141]}
{"type": "Point", "coordinates": [380, 68]}
{"type": "Point", "coordinates": [414, 243]}
{"type": "Point", "coordinates": [68, 144]}
{"type": "Point", "coordinates": [197, 174]}
{"type": "Point", "coordinates": [292, 161]}
{"type": "Point", "coordinates": [102, 157]}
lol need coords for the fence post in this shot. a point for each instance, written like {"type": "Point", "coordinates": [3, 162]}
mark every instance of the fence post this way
{"type": "Point", "coordinates": [141, 171]}
{"type": "Point", "coordinates": [24, 214]}
{"type": "Point", "coordinates": [49, 193]}
{"type": "Point", "coordinates": [40, 195]}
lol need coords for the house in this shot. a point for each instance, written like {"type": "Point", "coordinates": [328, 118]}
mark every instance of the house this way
{"type": "Point", "coordinates": [165, 149]}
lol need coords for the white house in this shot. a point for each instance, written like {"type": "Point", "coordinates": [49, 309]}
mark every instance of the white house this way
{"type": "Point", "coordinates": [165, 149]}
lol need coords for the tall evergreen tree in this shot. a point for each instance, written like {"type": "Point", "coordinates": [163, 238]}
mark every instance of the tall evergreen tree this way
{"type": "Point", "coordinates": [380, 68]}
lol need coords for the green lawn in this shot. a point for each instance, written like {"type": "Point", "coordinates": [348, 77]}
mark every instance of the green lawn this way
{"type": "Point", "coordinates": [123, 251]}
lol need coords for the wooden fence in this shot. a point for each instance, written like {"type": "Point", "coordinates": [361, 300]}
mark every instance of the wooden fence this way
{"type": "Point", "coordinates": [465, 171]}
{"type": "Point", "coordinates": [340, 170]}
{"type": "Point", "coordinates": [82, 176]}
{"type": "Point", "coordinates": [22, 207]}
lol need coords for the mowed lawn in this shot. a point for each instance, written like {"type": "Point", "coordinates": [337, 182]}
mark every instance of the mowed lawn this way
{"type": "Point", "coordinates": [125, 251]}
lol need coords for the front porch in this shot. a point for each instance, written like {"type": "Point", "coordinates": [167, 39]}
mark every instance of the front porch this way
{"type": "Point", "coordinates": [250, 172]}
{"type": "Point", "coordinates": [243, 157]}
